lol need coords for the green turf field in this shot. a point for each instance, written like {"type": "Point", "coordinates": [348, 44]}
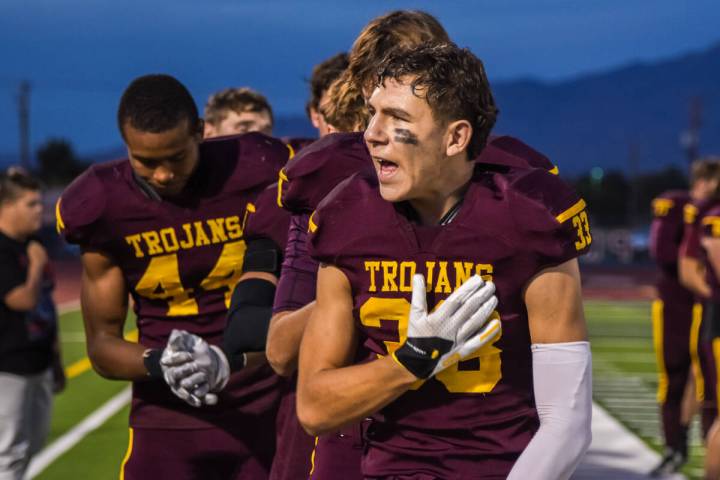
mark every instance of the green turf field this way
{"type": "Point", "coordinates": [624, 378]}
{"type": "Point", "coordinates": [624, 372]}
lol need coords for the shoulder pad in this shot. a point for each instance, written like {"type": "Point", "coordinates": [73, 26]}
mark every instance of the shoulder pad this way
{"type": "Point", "coordinates": [334, 227]}
{"type": "Point", "coordinates": [549, 214]}
{"type": "Point", "coordinates": [250, 160]}
{"type": "Point", "coordinates": [508, 151]}
{"type": "Point", "coordinates": [319, 167]}
{"type": "Point", "coordinates": [265, 219]}
{"type": "Point", "coordinates": [82, 204]}
{"type": "Point", "coordinates": [297, 144]}
{"type": "Point", "coordinates": [674, 204]}
{"type": "Point", "coordinates": [710, 222]}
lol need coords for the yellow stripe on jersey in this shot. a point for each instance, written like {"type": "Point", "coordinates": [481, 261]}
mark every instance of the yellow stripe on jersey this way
{"type": "Point", "coordinates": [282, 177]}
{"type": "Point", "coordinates": [657, 321]}
{"type": "Point", "coordinates": [127, 455]}
{"type": "Point", "coordinates": [555, 170]}
{"type": "Point", "coordinates": [572, 211]}
{"type": "Point", "coordinates": [312, 226]}
{"type": "Point", "coordinates": [690, 211]}
{"type": "Point", "coordinates": [694, 357]}
{"type": "Point", "coordinates": [312, 458]}
{"type": "Point", "coordinates": [716, 356]}
{"type": "Point", "coordinates": [59, 224]}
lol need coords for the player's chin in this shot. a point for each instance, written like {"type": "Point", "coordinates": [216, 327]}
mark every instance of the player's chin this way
{"type": "Point", "coordinates": [393, 191]}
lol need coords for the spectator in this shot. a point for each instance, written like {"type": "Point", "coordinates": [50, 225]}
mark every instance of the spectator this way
{"type": "Point", "coordinates": [30, 368]}
{"type": "Point", "coordinates": [237, 110]}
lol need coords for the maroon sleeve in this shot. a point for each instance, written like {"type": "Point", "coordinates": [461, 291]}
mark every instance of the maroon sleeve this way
{"type": "Point", "coordinates": [690, 244]}
{"type": "Point", "coordinates": [79, 211]}
{"type": "Point", "coordinates": [552, 219]}
{"type": "Point", "coordinates": [296, 287]}
{"type": "Point", "coordinates": [511, 152]}
{"type": "Point", "coordinates": [266, 219]}
{"type": "Point", "coordinates": [319, 167]}
{"type": "Point", "coordinates": [710, 223]}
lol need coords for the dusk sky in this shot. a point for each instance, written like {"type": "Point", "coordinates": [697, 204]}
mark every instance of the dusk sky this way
{"type": "Point", "coordinates": [80, 54]}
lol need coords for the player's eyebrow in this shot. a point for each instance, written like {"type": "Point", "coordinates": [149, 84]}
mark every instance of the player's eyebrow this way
{"type": "Point", "coordinates": [171, 156]}
{"type": "Point", "coordinates": [396, 112]}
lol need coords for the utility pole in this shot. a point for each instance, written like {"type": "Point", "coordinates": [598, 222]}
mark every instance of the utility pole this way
{"type": "Point", "coordinates": [690, 138]}
{"type": "Point", "coordinates": [24, 122]}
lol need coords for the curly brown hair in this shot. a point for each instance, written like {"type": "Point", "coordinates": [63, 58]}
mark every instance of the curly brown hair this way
{"type": "Point", "coordinates": [401, 28]}
{"type": "Point", "coordinates": [346, 109]}
{"type": "Point", "coordinates": [452, 80]}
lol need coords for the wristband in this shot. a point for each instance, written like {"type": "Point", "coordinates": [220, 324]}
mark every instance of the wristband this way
{"type": "Point", "coordinates": [151, 359]}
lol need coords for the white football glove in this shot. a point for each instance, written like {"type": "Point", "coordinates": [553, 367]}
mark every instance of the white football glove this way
{"type": "Point", "coordinates": [193, 368]}
{"type": "Point", "coordinates": [457, 328]}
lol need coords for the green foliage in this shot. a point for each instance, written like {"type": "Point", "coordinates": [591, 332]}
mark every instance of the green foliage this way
{"type": "Point", "coordinates": [57, 162]}
{"type": "Point", "coordinates": [615, 200]}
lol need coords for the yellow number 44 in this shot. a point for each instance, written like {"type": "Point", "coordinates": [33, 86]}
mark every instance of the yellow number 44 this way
{"type": "Point", "coordinates": [161, 280]}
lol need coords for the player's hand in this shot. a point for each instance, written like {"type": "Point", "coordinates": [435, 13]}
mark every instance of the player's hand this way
{"type": "Point", "coordinates": [193, 368]}
{"type": "Point", "coordinates": [457, 328]}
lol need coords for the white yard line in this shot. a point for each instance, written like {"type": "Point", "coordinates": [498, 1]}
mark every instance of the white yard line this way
{"type": "Point", "coordinates": [616, 453]}
{"type": "Point", "coordinates": [64, 443]}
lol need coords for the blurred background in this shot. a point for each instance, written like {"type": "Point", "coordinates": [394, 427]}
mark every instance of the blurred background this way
{"type": "Point", "coordinates": [620, 94]}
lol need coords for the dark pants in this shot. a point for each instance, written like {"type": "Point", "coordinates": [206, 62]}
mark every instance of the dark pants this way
{"type": "Point", "coordinates": [672, 317]}
{"type": "Point", "coordinates": [210, 454]}
{"type": "Point", "coordinates": [338, 455]}
{"type": "Point", "coordinates": [710, 362]}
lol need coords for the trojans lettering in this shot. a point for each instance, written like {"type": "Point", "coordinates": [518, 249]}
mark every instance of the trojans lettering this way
{"type": "Point", "coordinates": [189, 235]}
{"type": "Point", "coordinates": [440, 276]}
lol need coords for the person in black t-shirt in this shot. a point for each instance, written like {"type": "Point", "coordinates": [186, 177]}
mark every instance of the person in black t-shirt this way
{"type": "Point", "coordinates": [29, 356]}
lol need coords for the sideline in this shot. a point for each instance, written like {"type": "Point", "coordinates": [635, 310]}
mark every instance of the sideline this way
{"type": "Point", "coordinates": [616, 452]}
{"type": "Point", "coordinates": [67, 441]}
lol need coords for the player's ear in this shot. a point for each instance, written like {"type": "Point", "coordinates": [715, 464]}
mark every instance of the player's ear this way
{"type": "Point", "coordinates": [458, 135]}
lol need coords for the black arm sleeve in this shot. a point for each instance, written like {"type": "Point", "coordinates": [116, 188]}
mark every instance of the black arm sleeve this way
{"type": "Point", "coordinates": [248, 320]}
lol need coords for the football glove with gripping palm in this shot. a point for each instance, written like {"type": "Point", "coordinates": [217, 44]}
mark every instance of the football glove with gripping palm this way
{"type": "Point", "coordinates": [457, 328]}
{"type": "Point", "coordinates": [194, 369]}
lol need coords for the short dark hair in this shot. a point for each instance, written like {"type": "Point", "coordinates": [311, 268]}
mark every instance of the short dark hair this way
{"type": "Point", "coordinates": [156, 103]}
{"type": "Point", "coordinates": [323, 75]}
{"type": "Point", "coordinates": [452, 80]}
{"type": "Point", "coordinates": [238, 100]}
{"type": "Point", "coordinates": [705, 168]}
{"type": "Point", "coordinates": [14, 181]}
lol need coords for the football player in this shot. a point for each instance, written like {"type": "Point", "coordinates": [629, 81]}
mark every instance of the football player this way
{"type": "Point", "coordinates": [323, 75]}
{"type": "Point", "coordinates": [237, 110]}
{"type": "Point", "coordinates": [449, 396]}
{"type": "Point", "coordinates": [676, 314]}
{"type": "Point", "coordinates": [265, 233]}
{"type": "Point", "coordinates": [165, 225]}
{"type": "Point", "coordinates": [710, 222]}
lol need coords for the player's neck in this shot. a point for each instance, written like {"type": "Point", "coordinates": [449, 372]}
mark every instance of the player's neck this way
{"type": "Point", "coordinates": [446, 193]}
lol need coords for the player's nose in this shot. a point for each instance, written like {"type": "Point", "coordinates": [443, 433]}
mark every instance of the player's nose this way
{"type": "Point", "coordinates": [163, 175]}
{"type": "Point", "coordinates": [374, 133]}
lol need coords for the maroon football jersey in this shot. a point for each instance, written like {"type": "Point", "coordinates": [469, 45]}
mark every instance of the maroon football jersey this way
{"type": "Point", "coordinates": [474, 419]}
{"type": "Point", "coordinates": [690, 245]}
{"type": "Point", "coordinates": [181, 260]}
{"type": "Point", "coordinates": [710, 225]}
{"type": "Point", "coordinates": [267, 219]}
{"type": "Point", "coordinates": [667, 227]}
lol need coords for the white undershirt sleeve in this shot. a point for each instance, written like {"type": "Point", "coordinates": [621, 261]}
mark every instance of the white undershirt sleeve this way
{"type": "Point", "coordinates": [562, 382]}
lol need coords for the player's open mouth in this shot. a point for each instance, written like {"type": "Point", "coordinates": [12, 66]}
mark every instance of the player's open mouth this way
{"type": "Point", "coordinates": [387, 169]}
